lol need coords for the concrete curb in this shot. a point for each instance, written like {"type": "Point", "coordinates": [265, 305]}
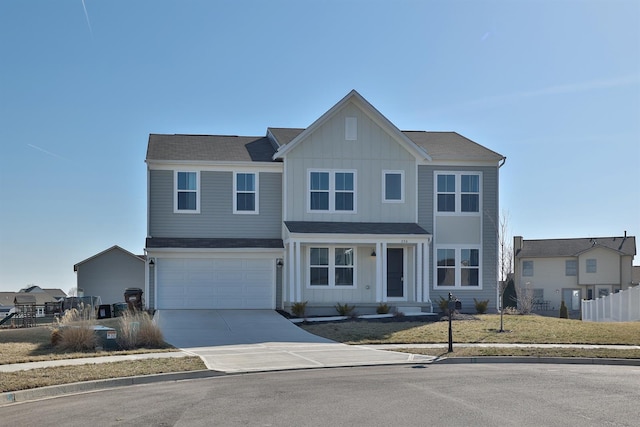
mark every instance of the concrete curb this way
{"type": "Point", "coordinates": [542, 360]}
{"type": "Point", "coordinates": [11, 397]}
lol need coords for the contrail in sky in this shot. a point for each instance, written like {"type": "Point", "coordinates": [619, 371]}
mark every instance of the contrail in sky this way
{"type": "Point", "coordinates": [45, 151]}
{"type": "Point", "coordinates": [87, 16]}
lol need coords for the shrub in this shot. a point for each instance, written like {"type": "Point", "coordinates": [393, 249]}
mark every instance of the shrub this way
{"type": "Point", "coordinates": [345, 309]}
{"type": "Point", "coordinates": [564, 311]}
{"type": "Point", "coordinates": [383, 308]}
{"type": "Point", "coordinates": [443, 304]}
{"type": "Point", "coordinates": [481, 306]}
{"type": "Point", "coordinates": [137, 329]}
{"type": "Point", "coordinates": [298, 309]}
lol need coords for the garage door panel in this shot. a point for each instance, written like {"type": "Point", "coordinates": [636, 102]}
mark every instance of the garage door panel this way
{"type": "Point", "coordinates": [215, 283]}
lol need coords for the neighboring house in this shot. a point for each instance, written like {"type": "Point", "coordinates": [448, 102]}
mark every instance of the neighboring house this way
{"type": "Point", "coordinates": [108, 273]}
{"type": "Point", "coordinates": [349, 210]}
{"type": "Point", "coordinates": [635, 275]}
{"type": "Point", "coordinates": [45, 303]}
{"type": "Point", "coordinates": [573, 269]}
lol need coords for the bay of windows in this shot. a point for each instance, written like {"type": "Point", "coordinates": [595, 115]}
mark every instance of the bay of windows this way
{"type": "Point", "coordinates": [331, 267]}
{"type": "Point", "coordinates": [458, 267]}
{"type": "Point", "coordinates": [458, 192]}
{"type": "Point", "coordinates": [332, 191]}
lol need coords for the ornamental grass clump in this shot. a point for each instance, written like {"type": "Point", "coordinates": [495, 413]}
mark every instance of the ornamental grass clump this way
{"type": "Point", "coordinates": [138, 330]}
{"type": "Point", "coordinates": [74, 330]}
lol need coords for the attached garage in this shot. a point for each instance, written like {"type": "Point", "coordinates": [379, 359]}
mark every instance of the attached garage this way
{"type": "Point", "coordinates": [215, 283]}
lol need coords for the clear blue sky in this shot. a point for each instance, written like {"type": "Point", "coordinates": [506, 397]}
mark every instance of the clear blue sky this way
{"type": "Point", "coordinates": [552, 85]}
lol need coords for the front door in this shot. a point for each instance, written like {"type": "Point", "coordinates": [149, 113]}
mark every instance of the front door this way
{"type": "Point", "coordinates": [395, 273]}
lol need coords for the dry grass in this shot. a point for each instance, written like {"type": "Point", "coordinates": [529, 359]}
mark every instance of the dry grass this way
{"type": "Point", "coordinates": [138, 330]}
{"type": "Point", "coordinates": [525, 351]}
{"type": "Point", "coordinates": [521, 329]}
{"type": "Point", "coordinates": [13, 381]}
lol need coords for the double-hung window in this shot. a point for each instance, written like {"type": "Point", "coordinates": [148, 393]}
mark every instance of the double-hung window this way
{"type": "Point", "coordinates": [527, 268]}
{"type": "Point", "coordinates": [331, 266]}
{"type": "Point", "coordinates": [187, 194]}
{"type": "Point", "coordinates": [332, 191]}
{"type": "Point", "coordinates": [458, 267]}
{"type": "Point", "coordinates": [393, 186]}
{"type": "Point", "coordinates": [245, 193]}
{"type": "Point", "coordinates": [592, 266]}
{"type": "Point", "coordinates": [571, 267]}
{"type": "Point", "coordinates": [457, 192]}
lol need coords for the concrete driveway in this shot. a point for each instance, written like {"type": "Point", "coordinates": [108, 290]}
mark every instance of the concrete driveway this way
{"type": "Point", "coordinates": [263, 340]}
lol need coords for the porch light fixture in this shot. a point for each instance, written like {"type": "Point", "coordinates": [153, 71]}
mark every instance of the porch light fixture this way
{"type": "Point", "coordinates": [152, 263]}
{"type": "Point", "coordinates": [279, 263]}
{"type": "Point", "coordinates": [373, 254]}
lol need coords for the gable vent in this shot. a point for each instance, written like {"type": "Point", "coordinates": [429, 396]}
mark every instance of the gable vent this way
{"type": "Point", "coordinates": [351, 128]}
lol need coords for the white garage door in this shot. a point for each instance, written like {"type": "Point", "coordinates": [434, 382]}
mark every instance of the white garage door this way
{"type": "Point", "coordinates": [215, 283]}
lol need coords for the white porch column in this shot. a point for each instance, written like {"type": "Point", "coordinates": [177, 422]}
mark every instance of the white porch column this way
{"type": "Point", "coordinates": [298, 275]}
{"type": "Point", "coordinates": [378, 272]}
{"type": "Point", "coordinates": [425, 276]}
{"type": "Point", "coordinates": [383, 261]}
{"type": "Point", "coordinates": [419, 271]}
{"type": "Point", "coordinates": [291, 269]}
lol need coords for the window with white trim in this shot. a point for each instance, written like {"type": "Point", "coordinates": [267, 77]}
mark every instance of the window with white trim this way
{"type": "Point", "coordinates": [331, 267]}
{"type": "Point", "coordinates": [457, 192]}
{"type": "Point", "coordinates": [571, 267]}
{"type": "Point", "coordinates": [393, 186]}
{"type": "Point", "coordinates": [458, 267]}
{"type": "Point", "coordinates": [187, 194]}
{"type": "Point", "coordinates": [527, 268]}
{"type": "Point", "coordinates": [592, 266]}
{"type": "Point", "coordinates": [332, 191]}
{"type": "Point", "coordinates": [245, 193]}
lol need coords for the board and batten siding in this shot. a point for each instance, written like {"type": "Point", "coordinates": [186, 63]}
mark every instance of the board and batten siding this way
{"type": "Point", "coordinates": [373, 152]}
{"type": "Point", "coordinates": [458, 228]}
{"type": "Point", "coordinates": [216, 218]}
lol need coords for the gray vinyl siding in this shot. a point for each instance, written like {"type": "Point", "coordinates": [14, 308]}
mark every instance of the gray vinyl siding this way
{"type": "Point", "coordinates": [373, 152]}
{"type": "Point", "coordinates": [109, 274]}
{"type": "Point", "coordinates": [216, 217]}
{"type": "Point", "coordinates": [490, 220]}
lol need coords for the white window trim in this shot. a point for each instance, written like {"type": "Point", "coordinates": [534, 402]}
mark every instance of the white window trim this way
{"type": "Point", "coordinates": [458, 267]}
{"type": "Point", "coordinates": [587, 267]}
{"type": "Point", "coordinates": [332, 191]}
{"type": "Point", "coordinates": [175, 193]}
{"type": "Point", "coordinates": [532, 268]}
{"type": "Point", "coordinates": [332, 267]}
{"type": "Point", "coordinates": [256, 211]}
{"type": "Point", "coordinates": [458, 193]}
{"type": "Point", "coordinates": [384, 186]}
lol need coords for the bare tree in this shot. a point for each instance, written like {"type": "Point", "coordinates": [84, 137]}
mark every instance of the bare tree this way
{"type": "Point", "coordinates": [525, 298]}
{"type": "Point", "coordinates": [72, 292]}
{"type": "Point", "coordinates": [505, 261]}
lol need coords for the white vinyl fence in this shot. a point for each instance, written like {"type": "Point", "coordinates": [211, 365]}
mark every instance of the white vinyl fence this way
{"type": "Point", "coordinates": [623, 306]}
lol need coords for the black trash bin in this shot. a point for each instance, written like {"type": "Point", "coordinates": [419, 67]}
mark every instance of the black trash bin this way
{"type": "Point", "coordinates": [119, 308]}
{"type": "Point", "coordinates": [104, 311]}
{"type": "Point", "coordinates": [133, 298]}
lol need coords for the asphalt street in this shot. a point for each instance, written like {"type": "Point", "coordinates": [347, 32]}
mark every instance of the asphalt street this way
{"type": "Point", "coordinates": [402, 395]}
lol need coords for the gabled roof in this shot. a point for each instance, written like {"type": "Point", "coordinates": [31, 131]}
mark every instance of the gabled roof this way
{"type": "Point", "coordinates": [209, 148]}
{"type": "Point", "coordinates": [451, 146]}
{"type": "Point", "coordinates": [114, 247]}
{"type": "Point", "coordinates": [368, 109]}
{"type": "Point", "coordinates": [574, 247]}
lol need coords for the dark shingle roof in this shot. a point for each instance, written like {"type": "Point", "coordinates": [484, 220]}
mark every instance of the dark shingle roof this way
{"type": "Point", "coordinates": [451, 146]}
{"type": "Point", "coordinates": [354, 227]}
{"type": "Point", "coordinates": [209, 148]}
{"type": "Point", "coordinates": [573, 247]}
{"type": "Point", "coordinates": [284, 136]}
{"type": "Point", "coordinates": [211, 243]}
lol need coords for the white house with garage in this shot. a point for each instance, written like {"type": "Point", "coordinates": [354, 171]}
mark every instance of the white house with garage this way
{"type": "Point", "coordinates": [347, 210]}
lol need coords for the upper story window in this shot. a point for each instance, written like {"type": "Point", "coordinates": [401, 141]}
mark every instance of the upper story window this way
{"type": "Point", "coordinates": [187, 192]}
{"type": "Point", "coordinates": [592, 266]}
{"type": "Point", "coordinates": [571, 267]}
{"type": "Point", "coordinates": [458, 192]}
{"type": "Point", "coordinates": [393, 186]}
{"type": "Point", "coordinates": [245, 193]}
{"type": "Point", "coordinates": [458, 267]}
{"type": "Point", "coordinates": [332, 191]}
{"type": "Point", "coordinates": [527, 268]}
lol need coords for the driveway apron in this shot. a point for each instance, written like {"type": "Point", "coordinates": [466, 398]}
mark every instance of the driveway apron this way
{"type": "Point", "coordinates": [262, 340]}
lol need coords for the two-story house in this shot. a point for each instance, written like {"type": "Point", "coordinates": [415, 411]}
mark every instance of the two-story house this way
{"type": "Point", "coordinates": [349, 210]}
{"type": "Point", "coordinates": [570, 270]}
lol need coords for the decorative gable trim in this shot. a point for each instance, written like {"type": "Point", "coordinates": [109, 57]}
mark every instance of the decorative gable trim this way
{"type": "Point", "coordinates": [418, 152]}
